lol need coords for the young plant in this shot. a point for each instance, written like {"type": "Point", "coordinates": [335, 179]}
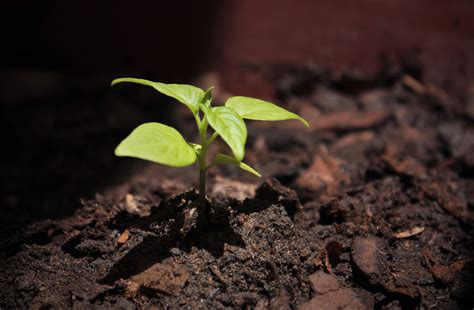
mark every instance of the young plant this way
{"type": "Point", "coordinates": [164, 145]}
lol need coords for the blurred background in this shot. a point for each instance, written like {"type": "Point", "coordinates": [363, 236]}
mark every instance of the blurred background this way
{"type": "Point", "coordinates": [182, 39]}
{"type": "Point", "coordinates": [61, 120]}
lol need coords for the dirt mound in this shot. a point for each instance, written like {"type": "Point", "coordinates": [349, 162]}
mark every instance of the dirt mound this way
{"type": "Point", "coordinates": [370, 208]}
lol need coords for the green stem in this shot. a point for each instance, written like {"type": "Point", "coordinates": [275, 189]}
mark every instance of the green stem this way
{"type": "Point", "coordinates": [202, 168]}
{"type": "Point", "coordinates": [202, 190]}
{"type": "Point", "coordinates": [202, 176]}
{"type": "Point", "coordinates": [212, 138]}
{"type": "Point", "coordinates": [198, 122]}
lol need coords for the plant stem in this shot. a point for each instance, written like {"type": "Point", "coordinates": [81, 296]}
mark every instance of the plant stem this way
{"type": "Point", "coordinates": [202, 190]}
{"type": "Point", "coordinates": [202, 177]}
{"type": "Point", "coordinates": [203, 210]}
{"type": "Point", "coordinates": [212, 138]}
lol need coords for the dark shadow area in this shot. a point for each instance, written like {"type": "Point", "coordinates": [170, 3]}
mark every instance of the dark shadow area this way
{"type": "Point", "coordinates": [150, 251]}
{"type": "Point", "coordinates": [59, 117]}
{"type": "Point", "coordinates": [154, 249]}
{"type": "Point", "coordinates": [172, 231]}
{"type": "Point", "coordinates": [172, 38]}
{"type": "Point", "coordinates": [62, 147]}
{"type": "Point", "coordinates": [175, 228]}
{"type": "Point", "coordinates": [270, 193]}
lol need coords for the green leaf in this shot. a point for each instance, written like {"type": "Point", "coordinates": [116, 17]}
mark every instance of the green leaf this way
{"type": "Point", "coordinates": [190, 95]}
{"type": "Point", "coordinates": [207, 98]}
{"type": "Point", "coordinates": [197, 148]}
{"type": "Point", "coordinates": [230, 127]}
{"type": "Point", "coordinates": [225, 159]}
{"type": "Point", "coordinates": [256, 109]}
{"type": "Point", "coordinates": [157, 143]}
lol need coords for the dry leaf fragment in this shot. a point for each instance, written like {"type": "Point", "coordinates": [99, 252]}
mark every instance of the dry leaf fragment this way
{"type": "Point", "coordinates": [413, 84]}
{"type": "Point", "coordinates": [124, 237]}
{"type": "Point", "coordinates": [410, 232]}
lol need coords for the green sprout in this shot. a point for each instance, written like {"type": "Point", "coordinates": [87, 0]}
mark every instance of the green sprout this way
{"type": "Point", "coordinates": [164, 145]}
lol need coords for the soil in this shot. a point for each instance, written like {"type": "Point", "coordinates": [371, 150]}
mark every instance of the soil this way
{"type": "Point", "coordinates": [369, 208]}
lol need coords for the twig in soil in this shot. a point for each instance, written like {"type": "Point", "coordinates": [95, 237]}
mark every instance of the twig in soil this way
{"type": "Point", "coordinates": [215, 270]}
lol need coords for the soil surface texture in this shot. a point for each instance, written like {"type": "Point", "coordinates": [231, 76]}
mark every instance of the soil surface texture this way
{"type": "Point", "coordinates": [369, 208]}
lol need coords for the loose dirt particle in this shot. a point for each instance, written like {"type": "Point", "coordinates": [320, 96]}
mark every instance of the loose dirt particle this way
{"type": "Point", "coordinates": [326, 176]}
{"type": "Point", "coordinates": [404, 165]}
{"type": "Point", "coordinates": [233, 188]}
{"type": "Point", "coordinates": [215, 270]}
{"type": "Point", "coordinates": [164, 278]}
{"type": "Point", "coordinates": [364, 254]}
{"type": "Point", "coordinates": [449, 195]}
{"type": "Point", "coordinates": [330, 295]}
{"type": "Point", "coordinates": [135, 207]}
{"type": "Point", "coordinates": [347, 120]}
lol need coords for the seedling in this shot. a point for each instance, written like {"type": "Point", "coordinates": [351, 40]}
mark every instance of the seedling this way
{"type": "Point", "coordinates": [164, 145]}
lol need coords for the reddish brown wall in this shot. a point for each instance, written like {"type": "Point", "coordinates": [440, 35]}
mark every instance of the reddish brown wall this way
{"type": "Point", "coordinates": [187, 36]}
{"type": "Point", "coordinates": [343, 34]}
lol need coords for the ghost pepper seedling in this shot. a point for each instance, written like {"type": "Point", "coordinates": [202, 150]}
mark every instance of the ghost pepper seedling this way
{"type": "Point", "coordinates": [165, 145]}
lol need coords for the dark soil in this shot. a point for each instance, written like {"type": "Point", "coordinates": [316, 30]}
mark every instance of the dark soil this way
{"type": "Point", "coordinates": [372, 207]}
